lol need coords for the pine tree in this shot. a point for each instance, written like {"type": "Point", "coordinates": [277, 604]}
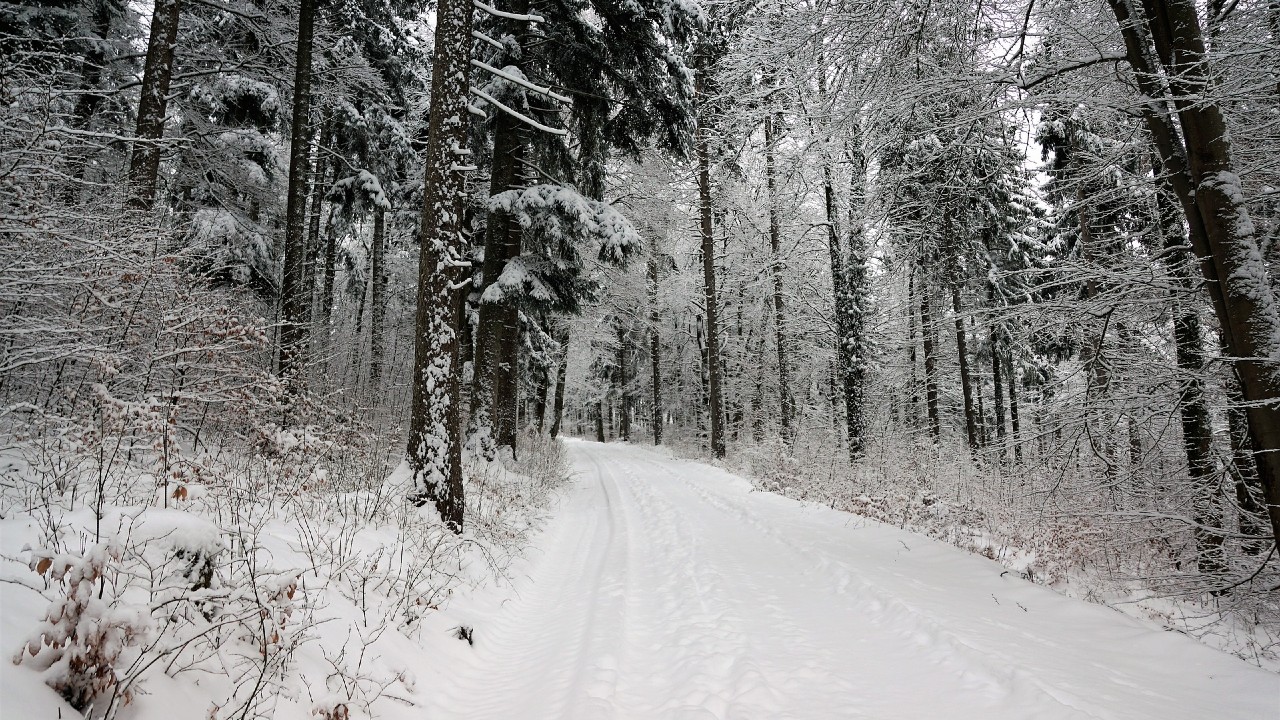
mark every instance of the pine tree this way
{"type": "Point", "coordinates": [435, 434]}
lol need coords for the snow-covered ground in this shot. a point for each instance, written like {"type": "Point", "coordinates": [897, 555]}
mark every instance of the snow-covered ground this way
{"type": "Point", "coordinates": [660, 588]}
{"type": "Point", "coordinates": [669, 589]}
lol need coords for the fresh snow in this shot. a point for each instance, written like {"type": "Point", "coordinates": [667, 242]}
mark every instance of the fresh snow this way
{"type": "Point", "coordinates": [670, 589]}
{"type": "Point", "coordinates": [661, 589]}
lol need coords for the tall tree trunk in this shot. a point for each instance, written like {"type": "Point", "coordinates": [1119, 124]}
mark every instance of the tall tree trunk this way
{"type": "Point", "coordinates": [930, 333]}
{"type": "Point", "coordinates": [506, 372]}
{"type": "Point", "coordinates": [1197, 429]}
{"type": "Point", "coordinates": [557, 409]}
{"type": "Point", "coordinates": [1098, 410]}
{"type": "Point", "coordinates": [540, 401]}
{"type": "Point", "coordinates": [779, 311]}
{"type": "Point", "coordinates": [1014, 377]}
{"type": "Point", "coordinates": [434, 451]}
{"type": "Point", "coordinates": [914, 382]}
{"type": "Point", "coordinates": [997, 383]}
{"type": "Point", "coordinates": [847, 320]}
{"type": "Point", "coordinates": [295, 295]}
{"type": "Point", "coordinates": [600, 421]}
{"type": "Point", "coordinates": [655, 350]}
{"type": "Point", "coordinates": [715, 402]}
{"type": "Point", "coordinates": [966, 382]}
{"type": "Point", "coordinates": [319, 175]}
{"type": "Point", "coordinates": [153, 104]}
{"type": "Point", "coordinates": [356, 348]}
{"type": "Point", "coordinates": [1197, 439]}
{"type": "Point", "coordinates": [1244, 472]}
{"type": "Point", "coordinates": [624, 397]}
{"type": "Point", "coordinates": [103, 13]}
{"type": "Point", "coordinates": [330, 262]}
{"type": "Point", "coordinates": [493, 374]}
{"type": "Point", "coordinates": [378, 298]}
{"type": "Point", "coordinates": [855, 293]}
{"type": "Point", "coordinates": [1199, 167]}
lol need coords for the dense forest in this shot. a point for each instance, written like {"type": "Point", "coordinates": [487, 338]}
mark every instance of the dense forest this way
{"type": "Point", "coordinates": [1000, 272]}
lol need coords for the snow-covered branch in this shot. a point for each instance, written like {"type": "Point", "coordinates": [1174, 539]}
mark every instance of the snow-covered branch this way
{"type": "Point", "coordinates": [509, 16]}
{"type": "Point", "coordinates": [521, 81]}
{"type": "Point", "coordinates": [516, 113]}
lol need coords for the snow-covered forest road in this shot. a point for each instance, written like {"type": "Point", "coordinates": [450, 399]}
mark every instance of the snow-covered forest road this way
{"type": "Point", "coordinates": [668, 589]}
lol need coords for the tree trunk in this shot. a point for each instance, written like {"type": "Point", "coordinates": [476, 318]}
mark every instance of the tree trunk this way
{"type": "Point", "coordinates": [600, 421]}
{"type": "Point", "coordinates": [540, 401]}
{"type": "Point", "coordinates": [914, 382]}
{"type": "Point", "coordinates": [295, 295]}
{"type": "Point", "coordinates": [1014, 427]}
{"type": "Point", "coordinates": [330, 260]}
{"type": "Point", "coordinates": [1244, 472]}
{"type": "Point", "coordinates": [1197, 438]}
{"type": "Point", "coordinates": [779, 312]}
{"type": "Point", "coordinates": [1098, 406]}
{"type": "Point", "coordinates": [1199, 167]}
{"type": "Point", "coordinates": [655, 351]}
{"type": "Point", "coordinates": [103, 14]}
{"type": "Point", "coordinates": [316, 191]}
{"type": "Point", "coordinates": [557, 410]}
{"type": "Point", "coordinates": [377, 298]}
{"type": "Point", "coordinates": [153, 104]}
{"type": "Point", "coordinates": [929, 331]}
{"type": "Point", "coordinates": [997, 383]}
{"type": "Point", "coordinates": [966, 382]}
{"type": "Point", "coordinates": [493, 374]}
{"type": "Point", "coordinates": [1197, 428]}
{"type": "Point", "coordinates": [434, 451]}
{"type": "Point", "coordinates": [715, 403]}
{"type": "Point", "coordinates": [847, 323]}
{"type": "Point", "coordinates": [624, 398]}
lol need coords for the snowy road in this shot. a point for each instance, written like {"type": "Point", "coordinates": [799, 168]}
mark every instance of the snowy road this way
{"type": "Point", "coordinates": [667, 589]}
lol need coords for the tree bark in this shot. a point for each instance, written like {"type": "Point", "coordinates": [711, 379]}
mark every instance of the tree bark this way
{"type": "Point", "coordinates": [295, 295]}
{"type": "Point", "coordinates": [540, 401]}
{"type": "Point", "coordinates": [914, 382]}
{"type": "Point", "coordinates": [997, 383]}
{"type": "Point", "coordinates": [1197, 428]}
{"type": "Point", "coordinates": [715, 402]}
{"type": "Point", "coordinates": [319, 174]}
{"type": "Point", "coordinates": [1199, 167]}
{"type": "Point", "coordinates": [966, 382]}
{"type": "Point", "coordinates": [153, 104]}
{"type": "Point", "coordinates": [929, 331]}
{"type": "Point", "coordinates": [1014, 427]}
{"type": "Point", "coordinates": [557, 410]}
{"type": "Point", "coordinates": [434, 451]}
{"type": "Point", "coordinates": [779, 311]}
{"type": "Point", "coordinates": [494, 388]}
{"type": "Point", "coordinates": [624, 397]}
{"type": "Point", "coordinates": [103, 14]}
{"type": "Point", "coordinates": [330, 260]}
{"type": "Point", "coordinates": [377, 298]}
{"type": "Point", "coordinates": [655, 350]}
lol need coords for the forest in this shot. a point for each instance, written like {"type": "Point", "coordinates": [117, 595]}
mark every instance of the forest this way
{"type": "Point", "coordinates": [309, 309]}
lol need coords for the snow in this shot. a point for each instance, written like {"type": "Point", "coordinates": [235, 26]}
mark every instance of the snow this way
{"type": "Point", "coordinates": [661, 588]}
{"type": "Point", "coordinates": [669, 589]}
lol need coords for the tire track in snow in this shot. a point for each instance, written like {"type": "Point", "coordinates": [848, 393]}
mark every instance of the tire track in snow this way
{"type": "Point", "coordinates": [664, 590]}
{"type": "Point", "coordinates": [987, 669]}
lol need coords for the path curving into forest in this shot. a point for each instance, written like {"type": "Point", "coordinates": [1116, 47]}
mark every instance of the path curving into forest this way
{"type": "Point", "coordinates": [665, 588]}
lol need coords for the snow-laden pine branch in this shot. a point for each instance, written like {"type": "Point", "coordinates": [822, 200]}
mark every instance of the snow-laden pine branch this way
{"type": "Point", "coordinates": [509, 16]}
{"type": "Point", "coordinates": [516, 113]}
{"type": "Point", "coordinates": [518, 78]}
